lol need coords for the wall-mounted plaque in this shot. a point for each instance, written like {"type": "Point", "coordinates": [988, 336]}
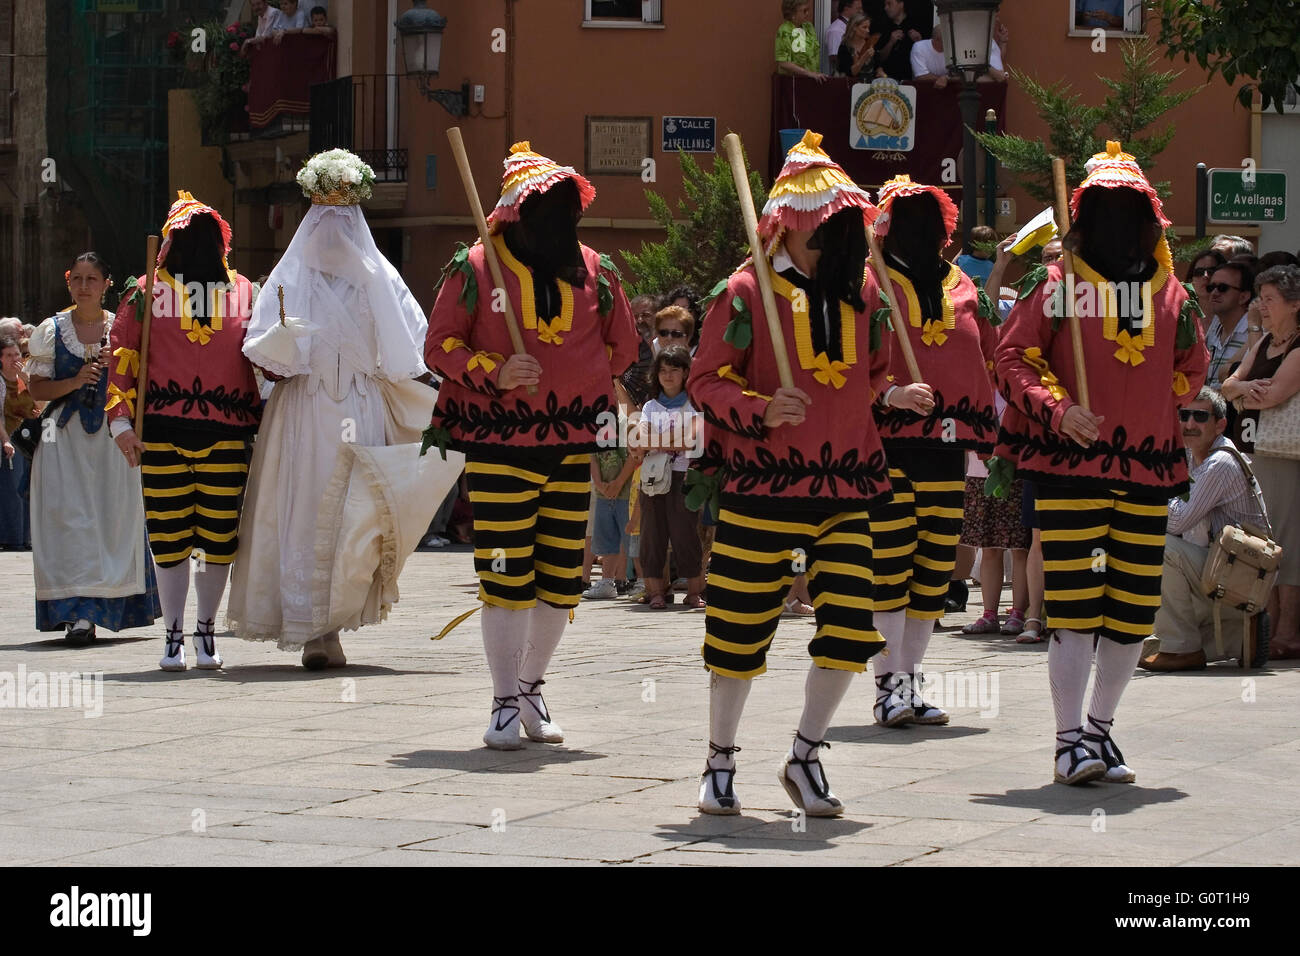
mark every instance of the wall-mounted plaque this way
{"type": "Point", "coordinates": [618, 145]}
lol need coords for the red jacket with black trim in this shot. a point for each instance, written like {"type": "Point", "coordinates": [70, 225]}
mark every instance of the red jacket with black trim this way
{"type": "Point", "coordinates": [198, 375]}
{"type": "Point", "coordinates": [592, 341]}
{"type": "Point", "coordinates": [834, 458]}
{"type": "Point", "coordinates": [1135, 382]}
{"type": "Point", "coordinates": [954, 353]}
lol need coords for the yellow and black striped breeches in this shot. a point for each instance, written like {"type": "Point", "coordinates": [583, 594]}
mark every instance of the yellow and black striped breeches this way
{"type": "Point", "coordinates": [530, 523]}
{"type": "Point", "coordinates": [916, 533]}
{"type": "Point", "coordinates": [756, 555]}
{"type": "Point", "coordinates": [1103, 555]}
{"type": "Point", "coordinates": [192, 492]}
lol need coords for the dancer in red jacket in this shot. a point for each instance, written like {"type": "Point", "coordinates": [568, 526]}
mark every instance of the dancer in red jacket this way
{"type": "Point", "coordinates": [1106, 471]}
{"type": "Point", "coordinates": [529, 455]}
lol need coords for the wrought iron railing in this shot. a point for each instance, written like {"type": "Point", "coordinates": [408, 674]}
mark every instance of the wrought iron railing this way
{"type": "Point", "coordinates": [363, 114]}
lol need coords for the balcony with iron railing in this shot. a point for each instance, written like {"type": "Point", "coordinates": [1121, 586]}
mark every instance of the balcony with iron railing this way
{"type": "Point", "coordinates": [361, 113]}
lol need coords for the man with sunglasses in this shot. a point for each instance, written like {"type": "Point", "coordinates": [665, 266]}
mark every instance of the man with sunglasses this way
{"type": "Point", "coordinates": [1230, 294]}
{"type": "Point", "coordinates": [1220, 495]}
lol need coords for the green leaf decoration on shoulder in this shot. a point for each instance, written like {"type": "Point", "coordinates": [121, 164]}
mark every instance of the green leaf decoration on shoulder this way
{"type": "Point", "coordinates": [136, 298]}
{"type": "Point", "coordinates": [459, 262]}
{"type": "Point", "coordinates": [1002, 472]}
{"type": "Point", "coordinates": [740, 330]}
{"type": "Point", "coordinates": [435, 435]}
{"type": "Point", "coordinates": [1189, 319]}
{"type": "Point", "coordinates": [607, 265]}
{"type": "Point", "coordinates": [880, 320]}
{"type": "Point", "coordinates": [988, 310]}
{"type": "Point", "coordinates": [1030, 280]}
{"type": "Point", "coordinates": [716, 291]}
{"type": "Point", "coordinates": [604, 294]}
{"type": "Point", "coordinates": [884, 297]}
{"type": "Point", "coordinates": [1056, 305]}
{"type": "Point", "coordinates": [1188, 324]}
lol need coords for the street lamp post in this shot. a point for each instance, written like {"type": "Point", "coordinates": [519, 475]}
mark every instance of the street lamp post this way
{"type": "Point", "coordinates": [967, 30]}
{"type": "Point", "coordinates": [421, 32]}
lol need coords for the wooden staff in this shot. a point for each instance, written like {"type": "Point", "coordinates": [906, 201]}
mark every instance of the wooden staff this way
{"type": "Point", "coordinates": [146, 320]}
{"type": "Point", "coordinates": [900, 329]}
{"type": "Point", "coordinates": [1067, 266]}
{"type": "Point", "coordinates": [741, 175]}
{"type": "Point", "coordinates": [280, 291]}
{"type": "Point", "coordinates": [489, 250]}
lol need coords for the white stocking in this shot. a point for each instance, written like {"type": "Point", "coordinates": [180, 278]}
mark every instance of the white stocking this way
{"type": "Point", "coordinates": [916, 639]}
{"type": "Point", "coordinates": [545, 628]}
{"type": "Point", "coordinates": [1115, 666]}
{"type": "Point", "coordinates": [1069, 659]}
{"type": "Point", "coordinates": [173, 589]}
{"type": "Point", "coordinates": [210, 586]}
{"type": "Point", "coordinates": [890, 624]}
{"type": "Point", "coordinates": [727, 697]}
{"type": "Point", "coordinates": [823, 690]}
{"type": "Point", "coordinates": [504, 634]}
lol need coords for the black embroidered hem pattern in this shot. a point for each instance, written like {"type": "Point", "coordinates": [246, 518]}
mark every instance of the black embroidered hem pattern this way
{"type": "Point", "coordinates": [242, 406]}
{"type": "Point", "coordinates": [476, 424]}
{"type": "Point", "coordinates": [824, 473]}
{"type": "Point", "coordinates": [982, 421]}
{"type": "Point", "coordinates": [1162, 462]}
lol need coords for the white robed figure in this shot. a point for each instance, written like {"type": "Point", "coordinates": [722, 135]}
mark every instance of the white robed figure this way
{"type": "Point", "coordinates": [331, 513]}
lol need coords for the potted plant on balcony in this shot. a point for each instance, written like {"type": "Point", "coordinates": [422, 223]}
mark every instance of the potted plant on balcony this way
{"type": "Point", "coordinates": [222, 94]}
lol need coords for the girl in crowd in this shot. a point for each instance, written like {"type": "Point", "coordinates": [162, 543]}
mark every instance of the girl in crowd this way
{"type": "Point", "coordinates": [669, 425]}
{"type": "Point", "coordinates": [89, 555]}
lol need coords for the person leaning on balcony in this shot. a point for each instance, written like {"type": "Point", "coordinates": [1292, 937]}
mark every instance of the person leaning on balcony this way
{"type": "Point", "coordinates": [857, 53]}
{"type": "Point", "coordinates": [294, 18]}
{"type": "Point", "coordinates": [798, 53]}
{"type": "Point", "coordinates": [269, 20]}
{"type": "Point", "coordinates": [319, 22]}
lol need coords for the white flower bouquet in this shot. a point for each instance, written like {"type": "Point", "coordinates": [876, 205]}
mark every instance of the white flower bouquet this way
{"type": "Point", "coordinates": [336, 178]}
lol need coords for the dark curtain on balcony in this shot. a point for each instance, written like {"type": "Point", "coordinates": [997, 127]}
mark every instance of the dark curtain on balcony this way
{"type": "Point", "coordinates": [281, 76]}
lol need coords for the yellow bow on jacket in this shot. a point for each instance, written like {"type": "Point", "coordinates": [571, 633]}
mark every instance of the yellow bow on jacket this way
{"type": "Point", "coordinates": [127, 359]}
{"type": "Point", "coordinates": [934, 334]}
{"type": "Point", "coordinates": [199, 333]}
{"type": "Point", "coordinates": [546, 334]}
{"type": "Point", "coordinates": [116, 396]}
{"type": "Point", "coordinates": [1033, 357]}
{"type": "Point", "coordinates": [1130, 349]}
{"type": "Point", "coordinates": [484, 360]}
{"type": "Point", "coordinates": [828, 372]}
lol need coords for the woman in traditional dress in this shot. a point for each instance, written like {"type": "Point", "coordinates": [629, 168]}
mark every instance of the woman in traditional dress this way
{"type": "Point", "coordinates": [89, 555]}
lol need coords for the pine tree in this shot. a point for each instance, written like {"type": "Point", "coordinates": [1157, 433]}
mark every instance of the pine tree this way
{"type": "Point", "coordinates": [707, 245]}
{"type": "Point", "coordinates": [1138, 98]}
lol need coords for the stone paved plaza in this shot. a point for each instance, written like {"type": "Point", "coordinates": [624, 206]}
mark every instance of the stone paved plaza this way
{"type": "Point", "coordinates": [382, 763]}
